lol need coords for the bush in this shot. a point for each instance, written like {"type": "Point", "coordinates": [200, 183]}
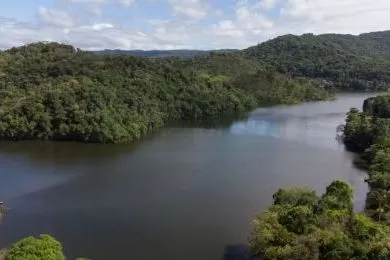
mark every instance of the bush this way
{"type": "Point", "coordinates": [31, 248]}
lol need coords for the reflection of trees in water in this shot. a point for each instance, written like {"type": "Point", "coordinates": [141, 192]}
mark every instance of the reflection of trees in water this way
{"type": "Point", "coordinates": [3, 210]}
{"type": "Point", "coordinates": [72, 152]}
{"type": "Point", "coordinates": [221, 123]}
{"type": "Point", "coordinates": [237, 252]}
{"type": "Point", "coordinates": [306, 126]}
{"type": "Point", "coordinates": [265, 127]}
{"type": "Point", "coordinates": [63, 152]}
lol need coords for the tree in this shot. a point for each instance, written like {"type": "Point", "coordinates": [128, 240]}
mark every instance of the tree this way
{"type": "Point", "coordinates": [30, 248]}
{"type": "Point", "coordinates": [328, 230]}
{"type": "Point", "coordinates": [295, 197]}
{"type": "Point", "coordinates": [53, 92]}
{"type": "Point", "coordinates": [370, 130]}
{"type": "Point", "coordinates": [338, 196]}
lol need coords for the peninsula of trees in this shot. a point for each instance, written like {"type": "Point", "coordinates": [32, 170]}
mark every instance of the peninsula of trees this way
{"type": "Point", "coordinates": [56, 92]}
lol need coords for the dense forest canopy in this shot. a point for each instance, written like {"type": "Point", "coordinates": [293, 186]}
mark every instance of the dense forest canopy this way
{"type": "Point", "coordinates": [368, 132]}
{"type": "Point", "coordinates": [302, 225]}
{"type": "Point", "coordinates": [345, 61]}
{"type": "Point", "coordinates": [163, 54]}
{"type": "Point", "coordinates": [56, 92]}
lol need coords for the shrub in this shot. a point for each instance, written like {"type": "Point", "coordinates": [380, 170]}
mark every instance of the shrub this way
{"type": "Point", "coordinates": [31, 248]}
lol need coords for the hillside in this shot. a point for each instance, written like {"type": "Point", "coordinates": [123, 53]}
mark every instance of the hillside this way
{"type": "Point", "coordinates": [164, 53]}
{"type": "Point", "coordinates": [56, 92]}
{"type": "Point", "coordinates": [344, 61]}
{"type": "Point", "coordinates": [354, 62]}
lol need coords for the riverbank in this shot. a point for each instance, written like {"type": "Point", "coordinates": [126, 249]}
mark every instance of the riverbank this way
{"type": "Point", "coordinates": [368, 133]}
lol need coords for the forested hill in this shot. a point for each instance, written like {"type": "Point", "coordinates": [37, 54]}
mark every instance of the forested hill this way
{"type": "Point", "coordinates": [164, 53]}
{"type": "Point", "coordinates": [346, 61]}
{"type": "Point", "coordinates": [56, 92]}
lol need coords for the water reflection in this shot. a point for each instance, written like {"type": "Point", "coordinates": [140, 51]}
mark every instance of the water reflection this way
{"type": "Point", "coordinates": [260, 127]}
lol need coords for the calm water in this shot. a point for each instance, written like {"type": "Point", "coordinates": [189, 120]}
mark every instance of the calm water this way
{"type": "Point", "coordinates": [185, 193]}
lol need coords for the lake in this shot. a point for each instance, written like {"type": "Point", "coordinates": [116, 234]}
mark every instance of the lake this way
{"type": "Point", "coordinates": [183, 193]}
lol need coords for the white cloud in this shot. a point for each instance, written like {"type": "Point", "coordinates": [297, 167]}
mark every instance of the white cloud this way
{"type": "Point", "coordinates": [55, 17]}
{"type": "Point", "coordinates": [97, 26]}
{"type": "Point", "coordinates": [347, 16]}
{"type": "Point", "coordinates": [192, 23]}
{"type": "Point", "coordinates": [95, 9]}
{"type": "Point", "coordinates": [267, 4]}
{"type": "Point", "coordinates": [192, 9]}
{"type": "Point", "coordinates": [126, 3]}
{"type": "Point", "coordinates": [90, 37]}
{"type": "Point", "coordinates": [227, 28]}
{"type": "Point", "coordinates": [249, 18]}
{"type": "Point", "coordinates": [86, 1]}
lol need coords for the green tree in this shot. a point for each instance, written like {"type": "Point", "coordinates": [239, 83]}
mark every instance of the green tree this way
{"type": "Point", "coordinates": [328, 229]}
{"type": "Point", "coordinates": [53, 92]}
{"type": "Point", "coordinates": [296, 197]}
{"type": "Point", "coordinates": [30, 248]}
{"type": "Point", "coordinates": [338, 196]}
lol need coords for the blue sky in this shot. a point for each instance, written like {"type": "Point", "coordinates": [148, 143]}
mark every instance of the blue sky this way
{"type": "Point", "coordinates": [178, 24]}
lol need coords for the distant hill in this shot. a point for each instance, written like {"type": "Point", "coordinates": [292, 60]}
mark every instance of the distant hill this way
{"type": "Point", "coordinates": [164, 53]}
{"type": "Point", "coordinates": [344, 61]}
{"type": "Point", "coordinates": [340, 61]}
{"type": "Point", "coordinates": [355, 62]}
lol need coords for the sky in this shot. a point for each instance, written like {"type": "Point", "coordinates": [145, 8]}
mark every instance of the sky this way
{"type": "Point", "coordinates": [182, 24]}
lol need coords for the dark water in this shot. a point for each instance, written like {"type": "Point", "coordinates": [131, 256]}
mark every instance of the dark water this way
{"type": "Point", "coordinates": [185, 193]}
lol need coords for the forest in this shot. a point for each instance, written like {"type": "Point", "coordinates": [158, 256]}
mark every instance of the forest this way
{"type": "Point", "coordinates": [344, 61]}
{"type": "Point", "coordinates": [368, 133]}
{"type": "Point", "coordinates": [51, 91]}
{"type": "Point", "coordinates": [302, 225]}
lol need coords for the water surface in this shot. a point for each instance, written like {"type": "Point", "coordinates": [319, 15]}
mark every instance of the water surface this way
{"type": "Point", "coordinates": [185, 193]}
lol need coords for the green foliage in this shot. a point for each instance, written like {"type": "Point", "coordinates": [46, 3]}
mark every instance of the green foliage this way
{"type": "Point", "coordinates": [268, 86]}
{"type": "Point", "coordinates": [30, 248]}
{"type": "Point", "coordinates": [164, 53]}
{"type": "Point", "coordinates": [358, 130]}
{"type": "Point", "coordinates": [344, 61]}
{"type": "Point", "coordinates": [56, 92]}
{"type": "Point", "coordinates": [338, 196]}
{"type": "Point", "coordinates": [369, 131]}
{"type": "Point", "coordinates": [53, 91]}
{"type": "Point", "coordinates": [296, 227]}
{"type": "Point", "coordinates": [296, 197]}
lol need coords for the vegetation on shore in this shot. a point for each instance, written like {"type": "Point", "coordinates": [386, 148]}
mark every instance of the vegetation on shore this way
{"type": "Point", "coordinates": [56, 92]}
{"type": "Point", "coordinates": [301, 225]}
{"type": "Point", "coordinates": [31, 248]}
{"type": "Point", "coordinates": [367, 132]}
